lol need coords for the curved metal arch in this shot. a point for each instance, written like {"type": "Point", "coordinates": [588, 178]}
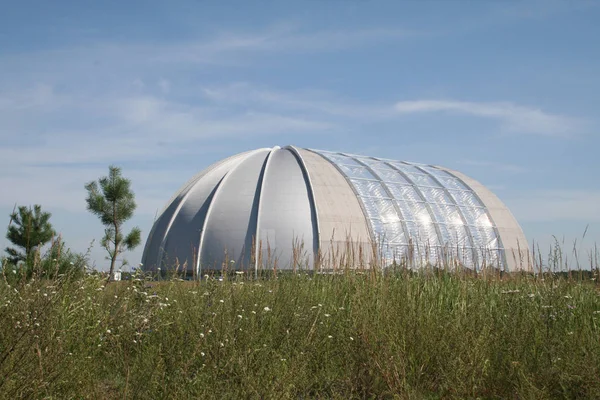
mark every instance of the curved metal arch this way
{"type": "Point", "coordinates": [259, 207]}
{"type": "Point", "coordinates": [387, 190]}
{"type": "Point", "coordinates": [462, 216]}
{"type": "Point", "coordinates": [311, 199]}
{"type": "Point", "coordinates": [418, 191]}
{"type": "Point", "coordinates": [187, 188]}
{"type": "Point", "coordinates": [210, 209]}
{"type": "Point", "coordinates": [494, 225]}
{"type": "Point", "coordinates": [360, 203]}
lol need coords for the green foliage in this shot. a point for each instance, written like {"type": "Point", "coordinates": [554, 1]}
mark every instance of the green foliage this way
{"type": "Point", "coordinates": [112, 200]}
{"type": "Point", "coordinates": [28, 230]}
{"type": "Point", "coordinates": [56, 262]}
{"type": "Point", "coordinates": [404, 335]}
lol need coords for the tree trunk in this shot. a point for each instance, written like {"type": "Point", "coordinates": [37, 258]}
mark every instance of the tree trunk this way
{"type": "Point", "coordinates": [116, 242]}
{"type": "Point", "coordinates": [112, 265]}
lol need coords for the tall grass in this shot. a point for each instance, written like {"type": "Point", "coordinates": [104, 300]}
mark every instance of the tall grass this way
{"type": "Point", "coordinates": [357, 334]}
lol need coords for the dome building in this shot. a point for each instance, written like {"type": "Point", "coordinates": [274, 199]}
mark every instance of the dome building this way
{"type": "Point", "coordinates": [306, 208]}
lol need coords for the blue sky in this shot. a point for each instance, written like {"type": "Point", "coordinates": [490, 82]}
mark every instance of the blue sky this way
{"type": "Point", "coordinates": [504, 91]}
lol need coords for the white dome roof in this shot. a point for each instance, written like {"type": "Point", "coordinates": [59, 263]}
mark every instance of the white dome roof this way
{"type": "Point", "coordinates": [298, 207]}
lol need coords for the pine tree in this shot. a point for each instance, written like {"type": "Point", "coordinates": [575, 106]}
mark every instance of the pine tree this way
{"type": "Point", "coordinates": [29, 229]}
{"type": "Point", "coordinates": [112, 200]}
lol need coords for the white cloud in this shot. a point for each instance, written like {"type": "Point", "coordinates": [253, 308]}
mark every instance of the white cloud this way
{"type": "Point", "coordinates": [315, 101]}
{"type": "Point", "coordinates": [131, 128]}
{"type": "Point", "coordinates": [51, 159]}
{"type": "Point", "coordinates": [226, 48]}
{"type": "Point", "coordinates": [515, 118]}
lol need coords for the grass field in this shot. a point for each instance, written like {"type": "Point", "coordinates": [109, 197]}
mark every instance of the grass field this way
{"type": "Point", "coordinates": [353, 335]}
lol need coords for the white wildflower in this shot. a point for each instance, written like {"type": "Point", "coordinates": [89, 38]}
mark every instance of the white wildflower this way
{"type": "Point", "coordinates": [267, 309]}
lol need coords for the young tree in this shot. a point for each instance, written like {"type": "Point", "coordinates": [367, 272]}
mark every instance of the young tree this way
{"type": "Point", "coordinates": [112, 200]}
{"type": "Point", "coordinates": [28, 229]}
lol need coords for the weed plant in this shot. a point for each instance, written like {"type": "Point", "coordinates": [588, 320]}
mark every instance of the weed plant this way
{"type": "Point", "coordinates": [374, 333]}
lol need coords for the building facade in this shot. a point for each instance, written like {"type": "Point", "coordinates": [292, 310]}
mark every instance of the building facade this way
{"type": "Point", "coordinates": [304, 208]}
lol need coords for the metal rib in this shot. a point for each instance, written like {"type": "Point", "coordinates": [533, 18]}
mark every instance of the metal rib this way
{"type": "Point", "coordinates": [262, 186]}
{"type": "Point", "coordinates": [462, 216]}
{"type": "Point", "coordinates": [360, 203]}
{"type": "Point", "coordinates": [496, 231]}
{"type": "Point", "coordinates": [387, 190]}
{"type": "Point", "coordinates": [312, 201]}
{"type": "Point", "coordinates": [187, 188]}
{"type": "Point", "coordinates": [209, 211]}
{"type": "Point", "coordinates": [431, 214]}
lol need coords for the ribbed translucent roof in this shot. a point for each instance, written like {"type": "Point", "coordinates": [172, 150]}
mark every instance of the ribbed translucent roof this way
{"type": "Point", "coordinates": [421, 211]}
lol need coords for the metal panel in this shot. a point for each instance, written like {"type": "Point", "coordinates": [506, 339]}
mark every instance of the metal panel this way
{"type": "Point", "coordinates": [447, 213]}
{"type": "Point", "coordinates": [156, 253]}
{"type": "Point", "coordinates": [423, 220]}
{"type": "Point", "coordinates": [492, 202]}
{"type": "Point", "coordinates": [395, 230]}
{"type": "Point", "coordinates": [284, 219]}
{"type": "Point", "coordinates": [256, 238]}
{"type": "Point", "coordinates": [231, 219]}
{"type": "Point", "coordinates": [340, 214]}
{"type": "Point", "coordinates": [312, 200]}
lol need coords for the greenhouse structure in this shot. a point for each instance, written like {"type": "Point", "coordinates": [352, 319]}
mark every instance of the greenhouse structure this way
{"type": "Point", "coordinates": [292, 208]}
